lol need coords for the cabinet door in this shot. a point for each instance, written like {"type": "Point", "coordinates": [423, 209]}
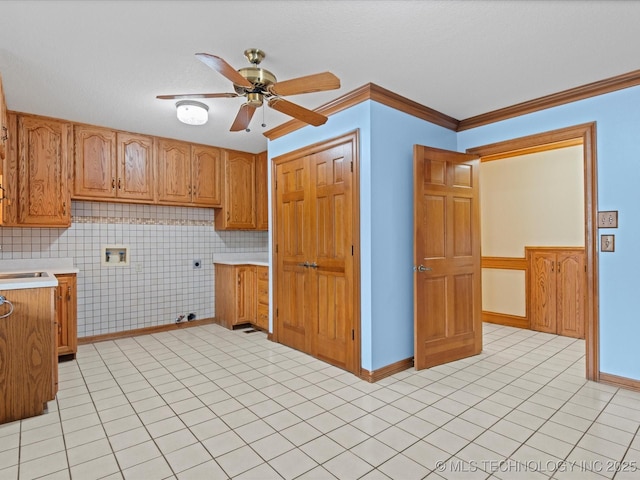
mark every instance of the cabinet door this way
{"type": "Point", "coordinates": [262, 189]}
{"type": "Point", "coordinates": [135, 167]}
{"type": "Point", "coordinates": [239, 192]}
{"type": "Point", "coordinates": [4, 129]}
{"type": "Point", "coordinates": [206, 169]}
{"type": "Point", "coordinates": [174, 171]}
{"type": "Point", "coordinates": [543, 291]}
{"type": "Point", "coordinates": [43, 181]}
{"type": "Point", "coordinates": [94, 162]}
{"type": "Point", "coordinates": [245, 294]}
{"type": "Point", "coordinates": [571, 274]}
{"type": "Point", "coordinates": [66, 315]}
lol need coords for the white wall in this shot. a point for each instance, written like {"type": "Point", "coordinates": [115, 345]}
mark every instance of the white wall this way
{"type": "Point", "coordinates": [525, 201]}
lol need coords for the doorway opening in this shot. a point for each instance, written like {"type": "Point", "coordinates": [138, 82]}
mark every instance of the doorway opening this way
{"type": "Point", "coordinates": [586, 136]}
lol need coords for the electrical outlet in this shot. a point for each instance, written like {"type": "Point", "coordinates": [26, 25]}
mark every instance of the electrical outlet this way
{"type": "Point", "coordinates": [608, 219]}
{"type": "Point", "coordinates": [607, 243]}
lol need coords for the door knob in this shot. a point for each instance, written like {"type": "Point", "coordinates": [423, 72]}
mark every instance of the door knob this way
{"type": "Point", "coordinates": [421, 268]}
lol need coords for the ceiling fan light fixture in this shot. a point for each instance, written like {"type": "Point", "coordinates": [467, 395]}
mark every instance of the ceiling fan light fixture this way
{"type": "Point", "coordinates": [192, 112]}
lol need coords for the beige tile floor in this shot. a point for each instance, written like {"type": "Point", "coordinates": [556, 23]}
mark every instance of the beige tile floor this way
{"type": "Point", "coordinates": [208, 403]}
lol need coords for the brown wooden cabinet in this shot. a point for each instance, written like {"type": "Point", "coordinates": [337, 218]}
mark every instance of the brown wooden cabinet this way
{"type": "Point", "coordinates": [36, 174]}
{"type": "Point", "coordinates": [262, 297]}
{"type": "Point", "coordinates": [557, 280]}
{"type": "Point", "coordinates": [262, 188]}
{"type": "Point", "coordinates": [188, 174]}
{"type": "Point", "coordinates": [28, 370]}
{"type": "Point", "coordinates": [235, 294]}
{"type": "Point", "coordinates": [239, 203]}
{"type": "Point", "coordinates": [4, 128]}
{"type": "Point", "coordinates": [66, 315]}
{"type": "Point", "coordinates": [112, 165]}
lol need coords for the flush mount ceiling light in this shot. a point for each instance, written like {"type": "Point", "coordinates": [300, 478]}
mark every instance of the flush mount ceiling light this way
{"type": "Point", "coordinates": [192, 112]}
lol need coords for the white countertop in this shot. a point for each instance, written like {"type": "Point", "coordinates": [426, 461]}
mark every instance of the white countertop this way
{"type": "Point", "coordinates": [244, 258]}
{"type": "Point", "coordinates": [48, 266]}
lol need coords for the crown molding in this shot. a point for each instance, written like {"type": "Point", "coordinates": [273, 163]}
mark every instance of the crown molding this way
{"type": "Point", "coordinates": [601, 87]}
{"type": "Point", "coordinates": [369, 91]}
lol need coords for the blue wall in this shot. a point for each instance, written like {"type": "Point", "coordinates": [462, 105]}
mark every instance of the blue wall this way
{"type": "Point", "coordinates": [386, 218]}
{"type": "Point", "coordinates": [617, 117]}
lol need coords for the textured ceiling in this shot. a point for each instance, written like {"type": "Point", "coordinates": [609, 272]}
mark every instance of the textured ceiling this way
{"type": "Point", "coordinates": [103, 62]}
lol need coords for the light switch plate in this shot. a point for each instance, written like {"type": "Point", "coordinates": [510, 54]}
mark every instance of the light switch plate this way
{"type": "Point", "coordinates": [608, 219]}
{"type": "Point", "coordinates": [607, 243]}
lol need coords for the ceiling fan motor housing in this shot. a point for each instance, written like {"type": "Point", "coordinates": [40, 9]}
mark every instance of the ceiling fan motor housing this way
{"type": "Point", "coordinates": [259, 77]}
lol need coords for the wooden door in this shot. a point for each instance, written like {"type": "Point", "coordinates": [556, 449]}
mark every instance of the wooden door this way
{"type": "Point", "coordinates": [571, 286]}
{"type": "Point", "coordinates": [447, 286]}
{"type": "Point", "coordinates": [293, 252]}
{"type": "Point", "coordinates": [331, 255]}
{"type": "Point", "coordinates": [206, 171]}
{"type": "Point", "coordinates": [174, 171]}
{"type": "Point", "coordinates": [240, 191]}
{"type": "Point", "coordinates": [43, 180]}
{"type": "Point", "coordinates": [262, 195]}
{"type": "Point", "coordinates": [94, 162]}
{"type": "Point", "coordinates": [542, 281]}
{"type": "Point", "coordinates": [135, 167]}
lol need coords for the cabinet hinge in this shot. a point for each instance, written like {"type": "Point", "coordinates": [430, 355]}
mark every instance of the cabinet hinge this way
{"type": "Point", "coordinates": [276, 248]}
{"type": "Point", "coordinates": [352, 250]}
{"type": "Point", "coordinates": [352, 165]}
{"type": "Point", "coordinates": [276, 312]}
{"type": "Point", "coordinates": [353, 334]}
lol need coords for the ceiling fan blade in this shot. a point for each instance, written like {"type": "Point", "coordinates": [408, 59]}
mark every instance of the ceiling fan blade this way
{"type": "Point", "coordinates": [197, 95]}
{"type": "Point", "coordinates": [311, 83]}
{"type": "Point", "coordinates": [243, 118]}
{"type": "Point", "coordinates": [226, 70]}
{"type": "Point", "coordinates": [296, 111]}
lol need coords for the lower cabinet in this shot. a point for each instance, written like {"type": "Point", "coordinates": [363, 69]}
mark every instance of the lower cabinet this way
{"type": "Point", "coordinates": [557, 283]}
{"type": "Point", "coordinates": [262, 315]}
{"type": "Point", "coordinates": [242, 295]}
{"type": "Point", "coordinates": [66, 315]}
{"type": "Point", "coordinates": [28, 367]}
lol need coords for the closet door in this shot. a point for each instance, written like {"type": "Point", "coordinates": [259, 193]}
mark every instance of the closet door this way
{"type": "Point", "coordinates": [292, 254]}
{"type": "Point", "coordinates": [331, 269]}
{"type": "Point", "coordinates": [315, 277]}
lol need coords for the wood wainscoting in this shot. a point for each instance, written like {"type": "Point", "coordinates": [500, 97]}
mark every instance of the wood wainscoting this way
{"type": "Point", "coordinates": [554, 295]}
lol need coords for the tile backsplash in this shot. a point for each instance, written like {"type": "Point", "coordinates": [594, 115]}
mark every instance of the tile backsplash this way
{"type": "Point", "coordinates": [158, 284]}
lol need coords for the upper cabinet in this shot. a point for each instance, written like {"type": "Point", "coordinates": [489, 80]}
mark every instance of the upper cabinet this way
{"type": "Point", "coordinates": [262, 195]}
{"type": "Point", "coordinates": [37, 177]}
{"type": "Point", "coordinates": [4, 128]}
{"type": "Point", "coordinates": [188, 174]}
{"type": "Point", "coordinates": [206, 173]}
{"type": "Point", "coordinates": [239, 204]}
{"type": "Point", "coordinates": [112, 165]}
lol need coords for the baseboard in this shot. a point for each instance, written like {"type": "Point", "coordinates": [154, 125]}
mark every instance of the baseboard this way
{"type": "Point", "coordinates": [506, 320]}
{"type": "Point", "coordinates": [387, 371]}
{"type": "Point", "coordinates": [622, 382]}
{"type": "Point", "coordinates": [144, 331]}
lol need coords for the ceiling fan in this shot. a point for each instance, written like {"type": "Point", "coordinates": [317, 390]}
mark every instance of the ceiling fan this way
{"type": "Point", "coordinates": [257, 85]}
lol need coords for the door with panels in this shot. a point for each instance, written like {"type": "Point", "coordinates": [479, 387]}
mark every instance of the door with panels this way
{"type": "Point", "coordinates": [447, 283]}
{"type": "Point", "coordinates": [315, 281]}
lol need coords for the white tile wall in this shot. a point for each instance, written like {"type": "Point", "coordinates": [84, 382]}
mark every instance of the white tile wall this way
{"type": "Point", "coordinates": [163, 243]}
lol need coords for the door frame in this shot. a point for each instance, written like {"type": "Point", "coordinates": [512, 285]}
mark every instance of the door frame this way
{"type": "Point", "coordinates": [586, 135]}
{"type": "Point", "coordinates": [352, 137]}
